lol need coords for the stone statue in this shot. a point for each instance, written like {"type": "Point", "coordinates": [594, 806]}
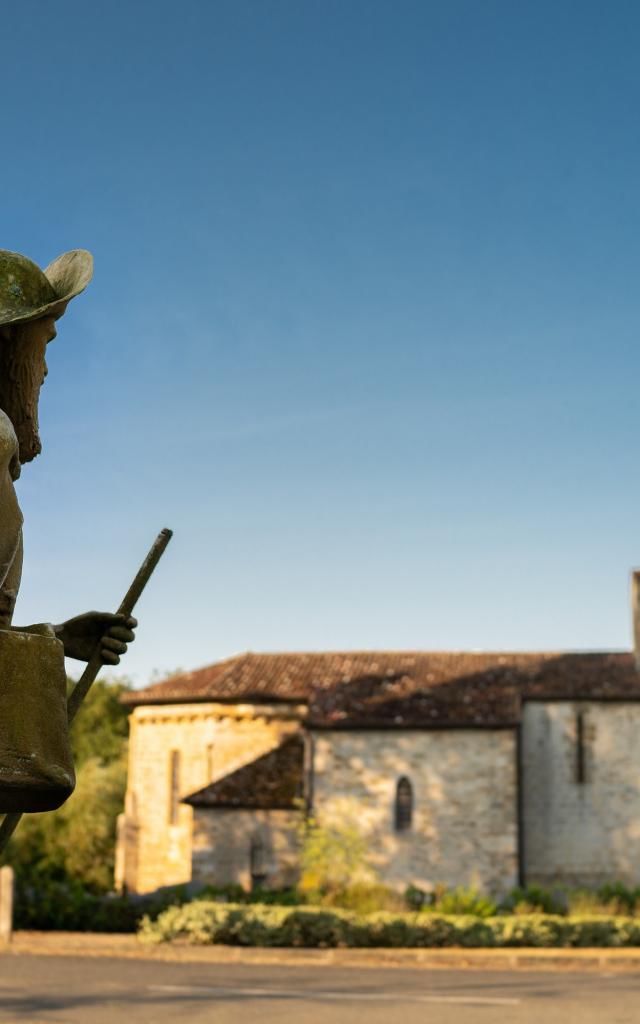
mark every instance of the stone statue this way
{"type": "Point", "coordinates": [36, 767]}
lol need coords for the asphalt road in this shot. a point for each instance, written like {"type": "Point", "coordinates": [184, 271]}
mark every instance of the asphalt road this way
{"type": "Point", "coordinates": [35, 989]}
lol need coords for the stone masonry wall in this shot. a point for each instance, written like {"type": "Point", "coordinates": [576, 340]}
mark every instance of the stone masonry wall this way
{"type": "Point", "coordinates": [212, 739]}
{"type": "Point", "coordinates": [222, 843]}
{"type": "Point", "coordinates": [581, 833]}
{"type": "Point", "coordinates": [465, 802]}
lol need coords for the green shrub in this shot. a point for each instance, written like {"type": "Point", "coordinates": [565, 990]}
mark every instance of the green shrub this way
{"type": "Point", "coordinates": [416, 898]}
{"type": "Point", "coordinates": [612, 900]}
{"type": "Point", "coordinates": [463, 901]}
{"type": "Point", "coordinates": [332, 856]}
{"type": "Point", "coordinates": [385, 929]}
{"type": "Point", "coordinates": [629, 932]}
{"type": "Point", "coordinates": [358, 915]}
{"type": "Point", "coordinates": [288, 897]}
{"type": "Point", "coordinates": [314, 926]}
{"type": "Point", "coordinates": [225, 894]}
{"type": "Point", "coordinates": [534, 899]}
{"type": "Point", "coordinates": [585, 903]}
{"type": "Point", "coordinates": [206, 922]}
{"type": "Point", "coordinates": [240, 925]}
{"type": "Point", "coordinates": [362, 898]}
{"type": "Point", "coordinates": [626, 900]}
{"type": "Point", "coordinates": [50, 905]}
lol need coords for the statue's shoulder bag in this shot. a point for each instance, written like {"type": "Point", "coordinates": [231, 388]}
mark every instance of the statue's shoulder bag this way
{"type": "Point", "coordinates": [36, 766]}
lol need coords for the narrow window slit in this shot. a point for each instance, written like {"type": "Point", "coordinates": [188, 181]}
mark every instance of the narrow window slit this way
{"type": "Point", "coordinates": [174, 787]}
{"type": "Point", "coordinates": [257, 862]}
{"type": "Point", "coordinates": [404, 805]}
{"type": "Point", "coordinates": [580, 749]}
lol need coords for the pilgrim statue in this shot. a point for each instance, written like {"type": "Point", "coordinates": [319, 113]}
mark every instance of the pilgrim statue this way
{"type": "Point", "coordinates": [36, 767]}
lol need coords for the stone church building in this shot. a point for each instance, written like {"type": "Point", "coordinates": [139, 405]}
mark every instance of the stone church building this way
{"type": "Point", "coordinates": [459, 768]}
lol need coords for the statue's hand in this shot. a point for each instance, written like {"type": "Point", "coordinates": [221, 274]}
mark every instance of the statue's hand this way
{"type": "Point", "coordinates": [81, 634]}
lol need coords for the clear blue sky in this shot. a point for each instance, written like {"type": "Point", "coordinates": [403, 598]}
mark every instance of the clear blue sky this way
{"type": "Point", "coordinates": [365, 322]}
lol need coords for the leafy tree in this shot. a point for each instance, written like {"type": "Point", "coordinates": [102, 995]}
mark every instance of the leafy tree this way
{"type": "Point", "coordinates": [101, 728]}
{"type": "Point", "coordinates": [77, 842]}
{"type": "Point", "coordinates": [332, 856]}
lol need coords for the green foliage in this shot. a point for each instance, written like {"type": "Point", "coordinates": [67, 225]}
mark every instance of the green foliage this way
{"type": "Point", "coordinates": [416, 898]}
{"type": "Point", "coordinates": [260, 894]}
{"type": "Point", "coordinates": [101, 728]}
{"type": "Point", "coordinates": [613, 899]}
{"type": "Point", "coordinates": [625, 899]}
{"type": "Point", "coordinates": [583, 902]}
{"type": "Point", "coordinates": [462, 901]}
{"type": "Point", "coordinates": [534, 899]}
{"type": "Point", "coordinates": [68, 906]}
{"type": "Point", "coordinates": [365, 898]}
{"type": "Point", "coordinates": [76, 843]}
{"type": "Point", "coordinates": [273, 897]}
{"type": "Point", "coordinates": [50, 905]}
{"type": "Point", "coordinates": [557, 931]}
{"type": "Point", "coordinates": [360, 915]}
{"type": "Point", "coordinates": [332, 856]}
{"type": "Point", "coordinates": [205, 922]}
{"type": "Point", "coordinates": [225, 893]}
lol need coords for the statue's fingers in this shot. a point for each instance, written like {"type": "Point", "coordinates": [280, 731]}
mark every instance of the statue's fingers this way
{"type": "Point", "coordinates": [107, 617]}
{"type": "Point", "coordinates": [109, 657]}
{"type": "Point", "coordinates": [121, 633]}
{"type": "Point", "coordinates": [112, 620]}
{"type": "Point", "coordinates": [110, 643]}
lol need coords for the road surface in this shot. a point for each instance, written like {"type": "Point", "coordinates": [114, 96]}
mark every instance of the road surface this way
{"type": "Point", "coordinates": [103, 990]}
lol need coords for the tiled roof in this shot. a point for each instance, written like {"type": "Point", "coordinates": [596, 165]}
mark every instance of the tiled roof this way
{"type": "Point", "coordinates": [247, 677]}
{"type": "Point", "coordinates": [404, 688]}
{"type": "Point", "coordinates": [271, 782]}
{"type": "Point", "coordinates": [469, 689]}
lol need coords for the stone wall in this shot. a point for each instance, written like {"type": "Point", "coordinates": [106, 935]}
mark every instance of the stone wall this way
{"type": "Point", "coordinates": [581, 832]}
{"type": "Point", "coordinates": [222, 841]}
{"type": "Point", "coordinates": [464, 829]}
{"type": "Point", "coordinates": [212, 740]}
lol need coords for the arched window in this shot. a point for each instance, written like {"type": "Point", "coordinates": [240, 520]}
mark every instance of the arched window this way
{"type": "Point", "coordinates": [404, 805]}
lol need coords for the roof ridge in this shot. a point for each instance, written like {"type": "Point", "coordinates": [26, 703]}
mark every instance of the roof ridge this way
{"type": "Point", "coordinates": [291, 677]}
{"type": "Point", "coordinates": [422, 651]}
{"type": "Point", "coordinates": [233, 660]}
{"type": "Point", "coordinates": [187, 673]}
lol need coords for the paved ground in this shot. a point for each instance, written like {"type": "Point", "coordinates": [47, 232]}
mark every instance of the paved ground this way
{"type": "Point", "coordinates": [104, 990]}
{"type": "Point", "coordinates": [94, 944]}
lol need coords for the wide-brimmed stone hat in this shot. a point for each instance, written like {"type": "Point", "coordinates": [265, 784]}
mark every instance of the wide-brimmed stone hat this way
{"type": "Point", "coordinates": [28, 293]}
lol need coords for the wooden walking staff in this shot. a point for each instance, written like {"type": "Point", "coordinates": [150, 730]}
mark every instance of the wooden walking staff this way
{"type": "Point", "coordinates": [82, 687]}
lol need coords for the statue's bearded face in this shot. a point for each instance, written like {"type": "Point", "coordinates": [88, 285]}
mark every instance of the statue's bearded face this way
{"type": "Point", "coordinates": [23, 369]}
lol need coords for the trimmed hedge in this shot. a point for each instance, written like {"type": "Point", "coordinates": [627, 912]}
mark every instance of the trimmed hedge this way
{"type": "Point", "coordinates": [67, 906]}
{"type": "Point", "coordinates": [204, 923]}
